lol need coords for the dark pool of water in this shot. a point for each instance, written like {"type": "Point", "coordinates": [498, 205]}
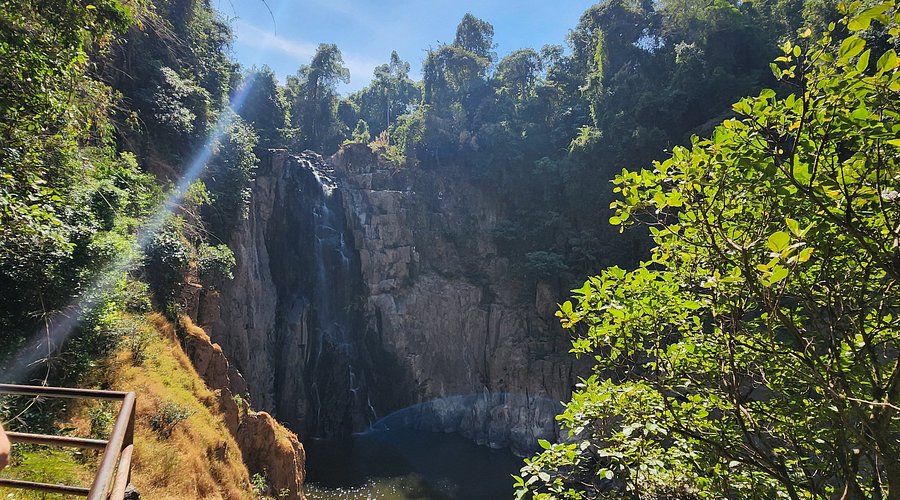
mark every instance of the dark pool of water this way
{"type": "Point", "coordinates": [407, 464]}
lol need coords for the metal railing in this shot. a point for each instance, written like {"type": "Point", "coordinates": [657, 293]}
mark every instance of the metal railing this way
{"type": "Point", "coordinates": [114, 472]}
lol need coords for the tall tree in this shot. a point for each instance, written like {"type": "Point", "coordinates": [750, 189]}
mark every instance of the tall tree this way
{"type": "Point", "coordinates": [314, 99]}
{"type": "Point", "coordinates": [476, 36]}
{"type": "Point", "coordinates": [454, 76]}
{"type": "Point", "coordinates": [265, 107]}
{"type": "Point", "coordinates": [391, 94]}
{"type": "Point", "coordinates": [518, 72]}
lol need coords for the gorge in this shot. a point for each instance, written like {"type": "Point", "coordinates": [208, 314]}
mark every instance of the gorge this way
{"type": "Point", "coordinates": [352, 305]}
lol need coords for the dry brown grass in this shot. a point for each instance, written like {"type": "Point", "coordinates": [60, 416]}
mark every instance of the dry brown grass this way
{"type": "Point", "coordinates": [200, 459]}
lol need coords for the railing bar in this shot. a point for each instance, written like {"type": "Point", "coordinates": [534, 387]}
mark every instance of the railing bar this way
{"type": "Point", "coordinates": [104, 477]}
{"type": "Point", "coordinates": [123, 474]}
{"type": "Point", "coordinates": [60, 392]}
{"type": "Point", "coordinates": [71, 442]}
{"type": "Point", "coordinates": [45, 487]}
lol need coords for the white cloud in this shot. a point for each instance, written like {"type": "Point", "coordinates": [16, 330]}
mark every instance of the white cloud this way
{"type": "Point", "coordinates": [272, 46]}
{"type": "Point", "coordinates": [267, 41]}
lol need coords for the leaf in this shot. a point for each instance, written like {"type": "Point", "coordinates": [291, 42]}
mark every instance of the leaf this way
{"type": "Point", "coordinates": [741, 108]}
{"type": "Point", "coordinates": [801, 171]}
{"type": "Point", "coordinates": [887, 62]}
{"type": "Point", "coordinates": [863, 20]}
{"type": "Point", "coordinates": [863, 61]}
{"type": "Point", "coordinates": [778, 273]}
{"type": "Point", "coordinates": [860, 113]}
{"type": "Point", "coordinates": [793, 225]}
{"type": "Point", "coordinates": [543, 443]}
{"type": "Point", "coordinates": [851, 46]}
{"type": "Point", "coordinates": [778, 241]}
{"type": "Point", "coordinates": [776, 70]}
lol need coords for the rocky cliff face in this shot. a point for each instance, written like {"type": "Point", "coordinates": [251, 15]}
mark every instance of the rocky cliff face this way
{"type": "Point", "coordinates": [277, 454]}
{"type": "Point", "coordinates": [267, 448]}
{"type": "Point", "coordinates": [470, 348]}
{"type": "Point", "coordinates": [369, 295]}
{"type": "Point", "coordinates": [290, 320]}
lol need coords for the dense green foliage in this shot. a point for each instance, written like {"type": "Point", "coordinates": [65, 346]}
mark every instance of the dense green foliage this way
{"type": "Point", "coordinates": [390, 95]}
{"type": "Point", "coordinates": [67, 199]}
{"type": "Point", "coordinates": [312, 93]}
{"type": "Point", "coordinates": [103, 106]}
{"type": "Point", "coordinates": [265, 107]}
{"type": "Point", "coordinates": [754, 355]}
{"type": "Point", "coordinates": [229, 176]}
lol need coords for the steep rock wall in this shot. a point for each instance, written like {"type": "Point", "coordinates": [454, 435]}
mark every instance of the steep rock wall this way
{"type": "Point", "coordinates": [465, 345]}
{"type": "Point", "coordinates": [286, 320]}
{"type": "Point", "coordinates": [369, 295]}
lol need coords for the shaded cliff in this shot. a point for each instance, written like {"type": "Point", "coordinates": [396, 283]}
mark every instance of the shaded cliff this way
{"type": "Point", "coordinates": [368, 295]}
{"type": "Point", "coordinates": [291, 319]}
{"type": "Point", "coordinates": [468, 346]}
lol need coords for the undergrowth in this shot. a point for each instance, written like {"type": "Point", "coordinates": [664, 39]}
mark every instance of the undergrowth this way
{"type": "Point", "coordinates": [182, 447]}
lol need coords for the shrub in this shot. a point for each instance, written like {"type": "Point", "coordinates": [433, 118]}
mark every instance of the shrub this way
{"type": "Point", "coordinates": [134, 296]}
{"type": "Point", "coordinates": [167, 417]}
{"type": "Point", "coordinates": [260, 484]}
{"type": "Point", "coordinates": [166, 262]}
{"type": "Point", "coordinates": [545, 264]}
{"type": "Point", "coordinates": [137, 341]}
{"type": "Point", "coordinates": [231, 172]}
{"type": "Point", "coordinates": [102, 418]}
{"type": "Point", "coordinates": [215, 264]}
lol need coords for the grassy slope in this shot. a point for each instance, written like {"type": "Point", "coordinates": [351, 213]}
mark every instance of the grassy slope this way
{"type": "Point", "coordinates": [200, 459]}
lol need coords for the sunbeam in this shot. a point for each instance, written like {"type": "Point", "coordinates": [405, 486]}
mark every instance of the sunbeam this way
{"type": "Point", "coordinates": [62, 324]}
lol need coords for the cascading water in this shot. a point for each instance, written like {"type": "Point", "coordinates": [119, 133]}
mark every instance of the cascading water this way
{"type": "Point", "coordinates": [336, 370]}
{"type": "Point", "coordinates": [320, 294]}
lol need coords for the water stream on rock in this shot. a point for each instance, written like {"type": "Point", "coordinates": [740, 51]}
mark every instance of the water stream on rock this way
{"type": "Point", "coordinates": [336, 372]}
{"type": "Point", "coordinates": [391, 460]}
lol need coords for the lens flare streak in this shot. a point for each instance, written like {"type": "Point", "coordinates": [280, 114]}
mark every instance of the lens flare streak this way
{"type": "Point", "coordinates": [62, 323]}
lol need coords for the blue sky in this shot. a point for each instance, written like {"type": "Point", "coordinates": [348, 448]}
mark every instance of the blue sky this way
{"type": "Point", "coordinates": [367, 30]}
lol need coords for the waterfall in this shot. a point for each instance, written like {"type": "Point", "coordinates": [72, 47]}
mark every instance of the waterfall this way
{"type": "Point", "coordinates": [351, 301]}
{"type": "Point", "coordinates": [336, 372]}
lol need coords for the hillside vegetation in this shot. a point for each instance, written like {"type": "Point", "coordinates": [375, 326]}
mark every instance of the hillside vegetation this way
{"type": "Point", "coordinates": [104, 104]}
{"type": "Point", "coordinates": [182, 446]}
{"type": "Point", "coordinates": [744, 346]}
